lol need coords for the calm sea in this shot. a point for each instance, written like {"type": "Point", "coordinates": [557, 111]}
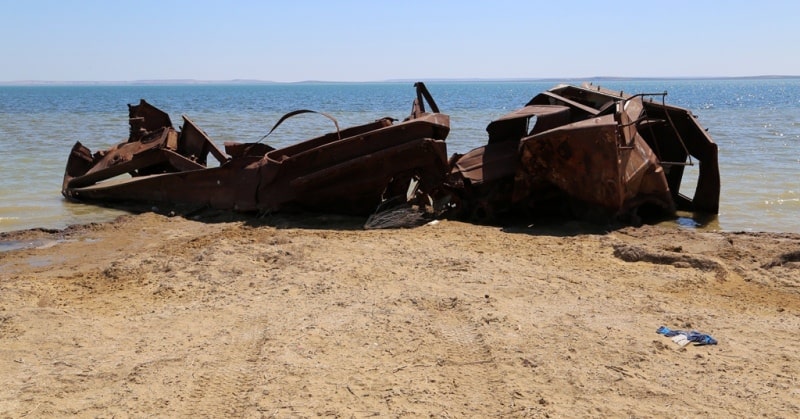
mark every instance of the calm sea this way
{"type": "Point", "coordinates": [755, 122]}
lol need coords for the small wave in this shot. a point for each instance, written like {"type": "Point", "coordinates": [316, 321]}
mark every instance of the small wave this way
{"type": "Point", "coordinates": [781, 201]}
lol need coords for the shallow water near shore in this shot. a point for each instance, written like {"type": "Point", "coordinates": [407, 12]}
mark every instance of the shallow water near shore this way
{"type": "Point", "coordinates": [755, 122]}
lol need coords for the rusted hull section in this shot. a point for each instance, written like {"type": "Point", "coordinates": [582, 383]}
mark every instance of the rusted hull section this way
{"type": "Point", "coordinates": [348, 171]}
{"type": "Point", "coordinates": [672, 134]}
{"type": "Point", "coordinates": [599, 163]}
{"type": "Point", "coordinates": [578, 150]}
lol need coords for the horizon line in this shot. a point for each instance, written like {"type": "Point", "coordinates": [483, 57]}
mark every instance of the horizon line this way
{"type": "Point", "coordinates": [397, 80]}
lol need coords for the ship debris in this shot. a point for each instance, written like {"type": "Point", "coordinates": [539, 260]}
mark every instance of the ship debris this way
{"type": "Point", "coordinates": [577, 151]}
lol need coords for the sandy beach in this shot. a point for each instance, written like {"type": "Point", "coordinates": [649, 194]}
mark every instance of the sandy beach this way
{"type": "Point", "coordinates": [290, 316]}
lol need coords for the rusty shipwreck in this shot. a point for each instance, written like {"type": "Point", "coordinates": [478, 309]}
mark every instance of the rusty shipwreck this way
{"type": "Point", "coordinates": [349, 171]}
{"type": "Point", "coordinates": [576, 151]}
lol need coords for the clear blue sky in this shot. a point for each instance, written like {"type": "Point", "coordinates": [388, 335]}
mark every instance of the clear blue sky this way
{"type": "Point", "coordinates": [349, 40]}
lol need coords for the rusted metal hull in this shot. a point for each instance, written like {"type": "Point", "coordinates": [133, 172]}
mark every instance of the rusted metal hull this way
{"type": "Point", "coordinates": [587, 150]}
{"type": "Point", "coordinates": [348, 171]}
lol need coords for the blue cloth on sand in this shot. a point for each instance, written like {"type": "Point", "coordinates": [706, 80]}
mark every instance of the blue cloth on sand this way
{"type": "Point", "coordinates": [693, 336]}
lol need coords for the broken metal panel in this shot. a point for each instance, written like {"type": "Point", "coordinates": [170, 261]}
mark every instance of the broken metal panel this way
{"type": "Point", "coordinates": [235, 150]}
{"type": "Point", "coordinates": [314, 152]}
{"type": "Point", "coordinates": [515, 125]}
{"type": "Point", "coordinates": [389, 144]}
{"type": "Point", "coordinates": [356, 186]}
{"type": "Point", "coordinates": [219, 187]}
{"type": "Point", "coordinates": [196, 145]}
{"type": "Point", "coordinates": [579, 110]}
{"type": "Point", "coordinates": [79, 162]}
{"type": "Point", "coordinates": [331, 174]}
{"type": "Point", "coordinates": [144, 118]}
{"type": "Point", "coordinates": [643, 177]}
{"type": "Point", "coordinates": [677, 146]}
{"type": "Point", "coordinates": [676, 137]}
{"type": "Point", "coordinates": [123, 158]}
{"type": "Point", "coordinates": [602, 162]}
{"type": "Point", "coordinates": [580, 158]}
{"type": "Point", "coordinates": [483, 180]}
{"type": "Point", "coordinates": [489, 163]}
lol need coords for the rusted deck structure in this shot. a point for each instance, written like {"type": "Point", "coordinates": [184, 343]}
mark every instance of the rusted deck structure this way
{"type": "Point", "coordinates": [349, 171]}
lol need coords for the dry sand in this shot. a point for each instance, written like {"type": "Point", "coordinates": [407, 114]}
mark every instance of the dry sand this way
{"type": "Point", "coordinates": [152, 316]}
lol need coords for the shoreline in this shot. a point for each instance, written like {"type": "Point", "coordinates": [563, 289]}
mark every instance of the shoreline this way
{"type": "Point", "coordinates": [299, 316]}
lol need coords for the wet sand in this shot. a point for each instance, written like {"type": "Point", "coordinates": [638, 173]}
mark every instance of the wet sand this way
{"type": "Point", "coordinates": [313, 316]}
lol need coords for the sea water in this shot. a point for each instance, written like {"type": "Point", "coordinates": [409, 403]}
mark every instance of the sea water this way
{"type": "Point", "coordinates": [755, 122]}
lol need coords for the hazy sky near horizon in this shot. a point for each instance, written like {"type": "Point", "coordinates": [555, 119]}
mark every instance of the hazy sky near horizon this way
{"type": "Point", "coordinates": [350, 40]}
